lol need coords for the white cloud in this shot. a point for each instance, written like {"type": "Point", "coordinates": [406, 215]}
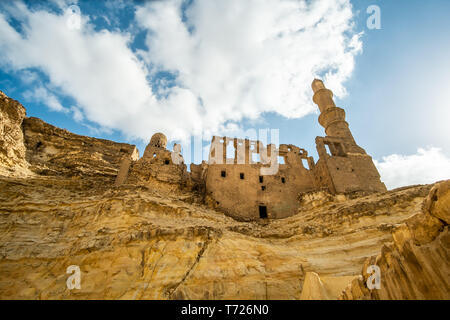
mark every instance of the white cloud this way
{"type": "Point", "coordinates": [42, 95]}
{"type": "Point", "coordinates": [428, 165]}
{"type": "Point", "coordinates": [63, 4]}
{"type": "Point", "coordinates": [77, 114]}
{"type": "Point", "coordinates": [231, 59]}
{"type": "Point", "coordinates": [29, 77]}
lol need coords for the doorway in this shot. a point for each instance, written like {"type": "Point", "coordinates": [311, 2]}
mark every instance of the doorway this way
{"type": "Point", "coordinates": [263, 212]}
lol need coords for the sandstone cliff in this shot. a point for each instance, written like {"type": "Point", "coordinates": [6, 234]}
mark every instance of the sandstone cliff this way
{"type": "Point", "coordinates": [416, 264]}
{"type": "Point", "coordinates": [12, 148]}
{"type": "Point", "coordinates": [54, 151]}
{"type": "Point", "coordinates": [133, 243]}
{"type": "Point", "coordinates": [141, 242]}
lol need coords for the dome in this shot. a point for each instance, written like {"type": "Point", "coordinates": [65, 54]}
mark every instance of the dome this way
{"type": "Point", "coordinates": [158, 140]}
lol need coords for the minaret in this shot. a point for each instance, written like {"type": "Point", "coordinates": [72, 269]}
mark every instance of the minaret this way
{"type": "Point", "coordinates": [348, 168]}
{"type": "Point", "coordinates": [331, 117]}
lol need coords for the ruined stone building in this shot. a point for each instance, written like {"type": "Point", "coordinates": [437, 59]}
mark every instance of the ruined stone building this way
{"type": "Point", "coordinates": [247, 189]}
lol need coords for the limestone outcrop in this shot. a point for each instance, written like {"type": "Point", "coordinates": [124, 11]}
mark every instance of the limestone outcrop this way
{"type": "Point", "coordinates": [12, 148]}
{"type": "Point", "coordinates": [136, 243]}
{"type": "Point", "coordinates": [52, 151]}
{"type": "Point", "coordinates": [416, 265]}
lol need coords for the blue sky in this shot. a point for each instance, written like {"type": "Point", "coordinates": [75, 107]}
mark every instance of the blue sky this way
{"type": "Point", "coordinates": [207, 71]}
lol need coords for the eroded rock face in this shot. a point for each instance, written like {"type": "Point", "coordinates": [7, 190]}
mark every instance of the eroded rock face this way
{"type": "Point", "coordinates": [12, 148]}
{"type": "Point", "coordinates": [136, 243]}
{"type": "Point", "coordinates": [438, 201]}
{"type": "Point", "coordinates": [58, 152]}
{"type": "Point", "coordinates": [325, 287]}
{"type": "Point", "coordinates": [416, 265]}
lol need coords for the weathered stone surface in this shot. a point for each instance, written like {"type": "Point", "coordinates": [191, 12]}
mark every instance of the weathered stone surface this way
{"type": "Point", "coordinates": [417, 264]}
{"type": "Point", "coordinates": [438, 201]}
{"type": "Point", "coordinates": [159, 168]}
{"type": "Point", "coordinates": [54, 151]}
{"type": "Point", "coordinates": [323, 288]}
{"type": "Point", "coordinates": [12, 148]}
{"type": "Point", "coordinates": [137, 243]}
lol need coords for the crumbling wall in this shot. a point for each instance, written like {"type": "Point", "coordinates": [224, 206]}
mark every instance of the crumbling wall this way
{"type": "Point", "coordinates": [158, 169]}
{"type": "Point", "coordinates": [243, 190]}
{"type": "Point", "coordinates": [355, 173]}
{"type": "Point", "coordinates": [242, 187]}
{"type": "Point", "coordinates": [197, 177]}
{"type": "Point", "coordinates": [124, 168]}
{"type": "Point", "coordinates": [343, 171]}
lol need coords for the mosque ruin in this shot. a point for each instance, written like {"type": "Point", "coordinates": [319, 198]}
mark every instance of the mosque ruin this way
{"type": "Point", "coordinates": [246, 189]}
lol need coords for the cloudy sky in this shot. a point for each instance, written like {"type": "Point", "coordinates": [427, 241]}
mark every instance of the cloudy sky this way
{"type": "Point", "coordinates": [123, 70]}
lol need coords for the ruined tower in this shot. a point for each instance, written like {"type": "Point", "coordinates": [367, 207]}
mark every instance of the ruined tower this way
{"type": "Point", "coordinates": [158, 142]}
{"type": "Point", "coordinates": [346, 167]}
{"type": "Point", "coordinates": [158, 166]}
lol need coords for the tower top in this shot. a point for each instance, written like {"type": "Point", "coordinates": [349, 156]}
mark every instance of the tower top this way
{"type": "Point", "coordinates": [317, 85]}
{"type": "Point", "coordinates": [323, 97]}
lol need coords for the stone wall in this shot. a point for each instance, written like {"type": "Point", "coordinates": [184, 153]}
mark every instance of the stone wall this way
{"type": "Point", "coordinates": [243, 189]}
{"type": "Point", "coordinates": [351, 173]}
{"type": "Point", "coordinates": [197, 177]}
{"type": "Point", "coordinates": [158, 169]}
{"type": "Point", "coordinates": [247, 189]}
